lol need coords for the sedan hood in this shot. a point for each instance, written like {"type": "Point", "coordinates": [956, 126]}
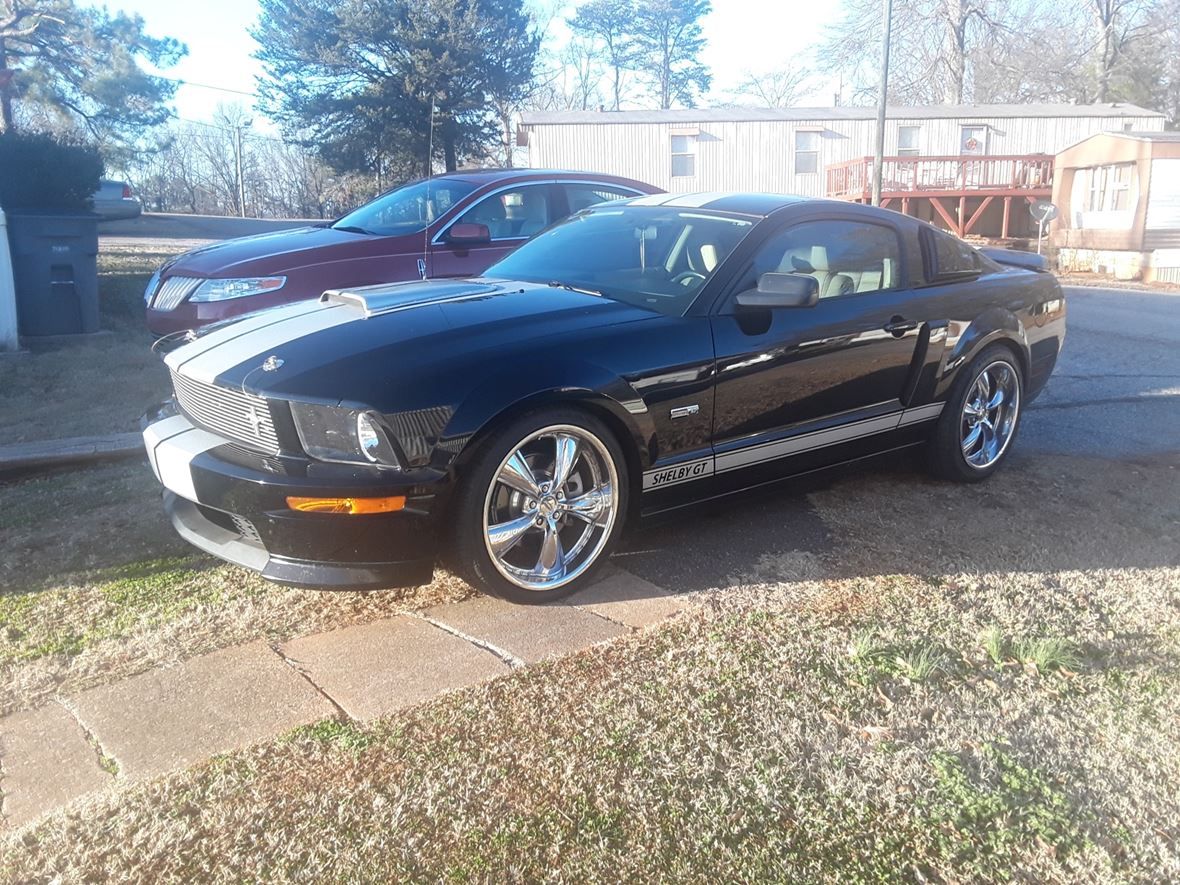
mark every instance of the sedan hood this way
{"type": "Point", "coordinates": [394, 336]}
{"type": "Point", "coordinates": [282, 251]}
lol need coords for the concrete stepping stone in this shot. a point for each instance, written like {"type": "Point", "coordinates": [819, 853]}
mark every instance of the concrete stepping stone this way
{"type": "Point", "coordinates": [628, 599]}
{"type": "Point", "coordinates": [45, 762]}
{"type": "Point", "coordinates": [530, 633]}
{"type": "Point", "coordinates": [374, 669]}
{"type": "Point", "coordinates": [168, 719]}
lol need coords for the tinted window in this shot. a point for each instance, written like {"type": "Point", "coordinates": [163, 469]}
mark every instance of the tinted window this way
{"type": "Point", "coordinates": [512, 214]}
{"type": "Point", "coordinates": [583, 196]}
{"type": "Point", "coordinates": [947, 257]}
{"type": "Point", "coordinates": [408, 209]}
{"type": "Point", "coordinates": [844, 257]}
{"type": "Point", "coordinates": [653, 256]}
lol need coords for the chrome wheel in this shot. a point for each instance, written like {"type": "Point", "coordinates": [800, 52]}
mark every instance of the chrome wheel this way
{"type": "Point", "coordinates": [989, 414]}
{"type": "Point", "coordinates": [550, 508]}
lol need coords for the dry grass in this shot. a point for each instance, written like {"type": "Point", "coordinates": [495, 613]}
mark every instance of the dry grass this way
{"type": "Point", "coordinates": [97, 386]}
{"type": "Point", "coordinates": [858, 716]}
{"type": "Point", "coordinates": [102, 588]}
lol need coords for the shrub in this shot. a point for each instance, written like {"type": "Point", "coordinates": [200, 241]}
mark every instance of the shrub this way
{"type": "Point", "coordinates": [40, 171]}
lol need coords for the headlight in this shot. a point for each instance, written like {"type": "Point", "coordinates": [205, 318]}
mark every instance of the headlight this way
{"type": "Point", "coordinates": [151, 288]}
{"type": "Point", "coordinates": [224, 290]}
{"type": "Point", "coordinates": [330, 433]}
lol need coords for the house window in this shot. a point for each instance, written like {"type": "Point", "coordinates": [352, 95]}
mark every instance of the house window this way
{"type": "Point", "coordinates": [973, 140]}
{"type": "Point", "coordinates": [1109, 188]}
{"type": "Point", "coordinates": [1120, 187]}
{"type": "Point", "coordinates": [907, 141]}
{"type": "Point", "coordinates": [684, 156]}
{"type": "Point", "coordinates": [806, 151]}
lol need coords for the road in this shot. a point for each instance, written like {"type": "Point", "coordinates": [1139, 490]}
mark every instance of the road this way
{"type": "Point", "coordinates": [1115, 394]}
{"type": "Point", "coordinates": [167, 226]}
{"type": "Point", "coordinates": [1116, 390]}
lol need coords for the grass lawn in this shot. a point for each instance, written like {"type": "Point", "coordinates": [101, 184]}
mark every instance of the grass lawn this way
{"type": "Point", "coordinates": [96, 586]}
{"type": "Point", "coordinates": [96, 386]}
{"type": "Point", "coordinates": [973, 684]}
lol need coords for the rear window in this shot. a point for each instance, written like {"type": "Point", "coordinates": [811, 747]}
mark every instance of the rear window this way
{"type": "Point", "coordinates": [948, 258]}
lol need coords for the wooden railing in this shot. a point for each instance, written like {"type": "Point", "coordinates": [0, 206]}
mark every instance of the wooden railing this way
{"type": "Point", "coordinates": [1014, 174]}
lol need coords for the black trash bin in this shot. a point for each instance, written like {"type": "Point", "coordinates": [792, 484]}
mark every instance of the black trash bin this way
{"type": "Point", "coordinates": [54, 265]}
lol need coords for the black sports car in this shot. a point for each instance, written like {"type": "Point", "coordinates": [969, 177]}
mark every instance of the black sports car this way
{"type": "Point", "coordinates": [636, 357]}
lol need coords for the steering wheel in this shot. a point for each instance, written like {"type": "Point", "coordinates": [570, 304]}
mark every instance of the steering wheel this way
{"type": "Point", "coordinates": [686, 277]}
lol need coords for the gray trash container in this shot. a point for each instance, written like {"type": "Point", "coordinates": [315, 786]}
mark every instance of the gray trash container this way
{"type": "Point", "coordinates": [54, 265]}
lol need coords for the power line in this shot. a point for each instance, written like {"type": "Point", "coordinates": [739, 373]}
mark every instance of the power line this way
{"type": "Point", "coordinates": [207, 86]}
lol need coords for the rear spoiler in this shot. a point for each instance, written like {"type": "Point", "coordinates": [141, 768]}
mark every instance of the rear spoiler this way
{"type": "Point", "coordinates": [1014, 258]}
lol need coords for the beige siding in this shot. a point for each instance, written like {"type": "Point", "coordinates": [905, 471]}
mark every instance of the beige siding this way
{"type": "Point", "coordinates": [759, 155]}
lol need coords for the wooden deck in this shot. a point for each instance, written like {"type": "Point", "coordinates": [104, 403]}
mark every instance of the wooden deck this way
{"type": "Point", "coordinates": [959, 190]}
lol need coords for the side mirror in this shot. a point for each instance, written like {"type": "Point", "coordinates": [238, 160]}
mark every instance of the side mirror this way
{"type": "Point", "coordinates": [469, 234]}
{"type": "Point", "coordinates": [781, 290]}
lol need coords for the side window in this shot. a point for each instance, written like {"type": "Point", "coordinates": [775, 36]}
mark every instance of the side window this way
{"type": "Point", "coordinates": [844, 257]}
{"type": "Point", "coordinates": [947, 258]}
{"type": "Point", "coordinates": [583, 196]}
{"type": "Point", "coordinates": [512, 214]}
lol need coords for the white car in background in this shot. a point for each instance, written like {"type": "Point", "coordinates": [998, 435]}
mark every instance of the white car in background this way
{"type": "Point", "coordinates": [115, 199]}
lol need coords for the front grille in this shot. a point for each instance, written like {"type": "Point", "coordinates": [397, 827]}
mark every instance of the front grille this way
{"type": "Point", "coordinates": [173, 291]}
{"type": "Point", "coordinates": [242, 417]}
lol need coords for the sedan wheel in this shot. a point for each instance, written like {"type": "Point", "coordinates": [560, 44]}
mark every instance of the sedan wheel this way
{"type": "Point", "coordinates": [550, 508]}
{"type": "Point", "coordinates": [989, 415]}
{"type": "Point", "coordinates": [980, 419]}
{"type": "Point", "coordinates": [551, 495]}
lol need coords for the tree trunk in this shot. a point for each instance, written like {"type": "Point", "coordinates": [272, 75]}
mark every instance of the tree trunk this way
{"type": "Point", "coordinates": [449, 156]}
{"type": "Point", "coordinates": [6, 74]}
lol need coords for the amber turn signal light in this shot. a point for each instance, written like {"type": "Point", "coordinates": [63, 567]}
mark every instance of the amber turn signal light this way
{"type": "Point", "coordinates": [351, 506]}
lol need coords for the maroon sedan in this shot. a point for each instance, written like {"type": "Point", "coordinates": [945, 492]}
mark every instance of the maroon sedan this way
{"type": "Point", "coordinates": [451, 225]}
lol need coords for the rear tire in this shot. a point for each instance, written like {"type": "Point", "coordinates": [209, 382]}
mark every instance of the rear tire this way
{"type": "Point", "coordinates": [981, 418]}
{"type": "Point", "coordinates": [540, 506]}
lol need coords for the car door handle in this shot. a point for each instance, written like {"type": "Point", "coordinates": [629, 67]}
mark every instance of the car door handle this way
{"type": "Point", "coordinates": [898, 326]}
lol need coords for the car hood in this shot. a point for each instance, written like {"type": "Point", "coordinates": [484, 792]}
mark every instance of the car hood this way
{"type": "Point", "coordinates": [361, 344]}
{"type": "Point", "coordinates": [282, 251]}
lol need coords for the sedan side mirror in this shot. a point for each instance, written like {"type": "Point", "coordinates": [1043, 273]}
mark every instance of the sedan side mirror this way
{"type": "Point", "coordinates": [469, 234]}
{"type": "Point", "coordinates": [781, 290]}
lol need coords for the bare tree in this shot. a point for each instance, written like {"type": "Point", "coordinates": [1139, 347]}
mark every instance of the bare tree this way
{"type": "Point", "coordinates": [934, 43]}
{"type": "Point", "coordinates": [774, 89]}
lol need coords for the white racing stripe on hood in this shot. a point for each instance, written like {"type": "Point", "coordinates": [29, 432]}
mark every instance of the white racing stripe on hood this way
{"type": "Point", "coordinates": [247, 324]}
{"type": "Point", "coordinates": [212, 361]}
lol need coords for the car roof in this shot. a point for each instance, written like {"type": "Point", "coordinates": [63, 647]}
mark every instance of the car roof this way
{"type": "Point", "coordinates": [754, 204]}
{"type": "Point", "coordinates": [484, 176]}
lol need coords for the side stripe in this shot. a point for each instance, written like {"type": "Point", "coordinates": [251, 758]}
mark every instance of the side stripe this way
{"type": "Point", "coordinates": [805, 442]}
{"type": "Point", "coordinates": [674, 474]}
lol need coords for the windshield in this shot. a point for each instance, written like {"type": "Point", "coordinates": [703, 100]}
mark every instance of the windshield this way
{"type": "Point", "coordinates": [651, 256]}
{"type": "Point", "coordinates": [406, 210]}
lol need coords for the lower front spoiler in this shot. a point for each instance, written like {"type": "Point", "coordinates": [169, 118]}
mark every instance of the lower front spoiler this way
{"type": "Point", "coordinates": [194, 527]}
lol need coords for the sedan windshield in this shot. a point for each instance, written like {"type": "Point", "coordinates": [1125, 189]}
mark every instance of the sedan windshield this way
{"type": "Point", "coordinates": [406, 210]}
{"type": "Point", "coordinates": [657, 257]}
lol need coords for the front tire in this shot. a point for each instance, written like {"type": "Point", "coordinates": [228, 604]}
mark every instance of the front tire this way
{"type": "Point", "coordinates": [540, 506]}
{"type": "Point", "coordinates": [979, 423]}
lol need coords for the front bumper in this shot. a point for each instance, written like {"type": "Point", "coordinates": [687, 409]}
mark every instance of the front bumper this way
{"type": "Point", "coordinates": [231, 502]}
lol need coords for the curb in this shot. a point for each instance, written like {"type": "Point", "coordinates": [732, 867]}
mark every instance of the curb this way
{"type": "Point", "coordinates": [72, 452]}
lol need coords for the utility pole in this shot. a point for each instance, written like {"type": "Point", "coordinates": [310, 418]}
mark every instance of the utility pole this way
{"type": "Point", "coordinates": [238, 159]}
{"type": "Point", "coordinates": [879, 151]}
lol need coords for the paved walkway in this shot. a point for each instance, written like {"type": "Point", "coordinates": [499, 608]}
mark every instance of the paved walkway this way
{"type": "Point", "coordinates": [171, 718]}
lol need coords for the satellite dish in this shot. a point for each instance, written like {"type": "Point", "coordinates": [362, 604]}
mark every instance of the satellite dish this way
{"type": "Point", "coordinates": [1042, 211]}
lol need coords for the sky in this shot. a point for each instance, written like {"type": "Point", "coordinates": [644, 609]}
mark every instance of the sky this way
{"type": "Point", "coordinates": [743, 35]}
